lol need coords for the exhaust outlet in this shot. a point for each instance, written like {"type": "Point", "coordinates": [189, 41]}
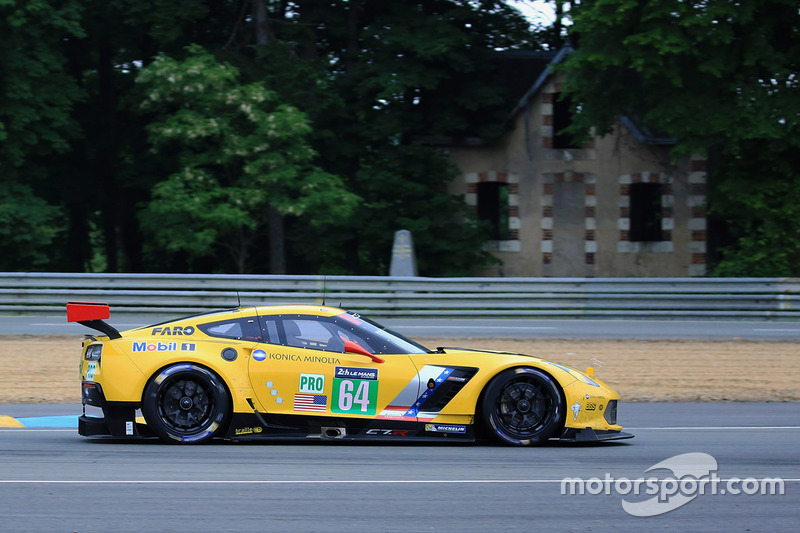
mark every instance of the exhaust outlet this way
{"type": "Point", "coordinates": [333, 433]}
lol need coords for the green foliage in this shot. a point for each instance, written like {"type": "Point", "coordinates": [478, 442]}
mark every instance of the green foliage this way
{"type": "Point", "coordinates": [702, 72]}
{"type": "Point", "coordinates": [764, 226]}
{"type": "Point", "coordinates": [427, 69]}
{"type": "Point", "coordinates": [325, 106]}
{"type": "Point", "coordinates": [447, 237]}
{"type": "Point", "coordinates": [240, 153]}
{"type": "Point", "coordinates": [36, 94]}
{"type": "Point", "coordinates": [28, 226]}
{"type": "Point", "coordinates": [721, 78]}
{"type": "Point", "coordinates": [404, 71]}
{"type": "Point", "coordinates": [37, 98]}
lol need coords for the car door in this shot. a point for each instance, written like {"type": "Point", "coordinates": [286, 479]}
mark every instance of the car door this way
{"type": "Point", "coordinates": [302, 369]}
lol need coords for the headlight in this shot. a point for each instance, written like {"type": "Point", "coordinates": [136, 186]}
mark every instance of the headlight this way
{"type": "Point", "coordinates": [93, 352]}
{"type": "Point", "coordinates": [611, 412]}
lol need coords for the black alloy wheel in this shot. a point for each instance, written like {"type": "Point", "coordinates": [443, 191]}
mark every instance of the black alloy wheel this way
{"type": "Point", "coordinates": [522, 407]}
{"type": "Point", "coordinates": [185, 403]}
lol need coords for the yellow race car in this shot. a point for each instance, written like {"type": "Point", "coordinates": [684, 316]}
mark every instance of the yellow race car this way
{"type": "Point", "coordinates": [316, 372]}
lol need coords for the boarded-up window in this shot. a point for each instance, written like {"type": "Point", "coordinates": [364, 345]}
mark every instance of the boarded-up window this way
{"type": "Point", "coordinates": [645, 210]}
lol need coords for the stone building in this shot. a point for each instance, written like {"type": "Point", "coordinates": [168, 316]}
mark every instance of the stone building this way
{"type": "Point", "coordinates": [614, 207]}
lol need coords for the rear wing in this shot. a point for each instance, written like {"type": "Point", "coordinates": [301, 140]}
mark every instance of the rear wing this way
{"type": "Point", "coordinates": [92, 314]}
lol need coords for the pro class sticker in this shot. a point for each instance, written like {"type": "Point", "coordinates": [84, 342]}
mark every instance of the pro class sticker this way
{"type": "Point", "coordinates": [312, 383]}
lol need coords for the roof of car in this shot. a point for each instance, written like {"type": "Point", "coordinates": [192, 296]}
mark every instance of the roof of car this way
{"type": "Point", "coordinates": [302, 309]}
{"type": "Point", "coordinates": [252, 310]}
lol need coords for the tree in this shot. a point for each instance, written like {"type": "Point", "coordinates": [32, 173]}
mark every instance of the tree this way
{"type": "Point", "coordinates": [759, 190]}
{"type": "Point", "coordinates": [37, 95]}
{"type": "Point", "coordinates": [28, 225]}
{"type": "Point", "coordinates": [720, 78]}
{"type": "Point", "coordinates": [447, 236]}
{"type": "Point", "coordinates": [36, 102]}
{"type": "Point", "coordinates": [370, 77]}
{"type": "Point", "coordinates": [400, 72]}
{"type": "Point", "coordinates": [238, 153]}
{"type": "Point", "coordinates": [110, 159]}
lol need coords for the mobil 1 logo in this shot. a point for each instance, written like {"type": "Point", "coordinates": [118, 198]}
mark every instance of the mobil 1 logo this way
{"type": "Point", "coordinates": [355, 391]}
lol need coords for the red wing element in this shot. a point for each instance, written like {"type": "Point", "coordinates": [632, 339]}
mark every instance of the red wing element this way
{"type": "Point", "coordinates": [354, 347]}
{"type": "Point", "coordinates": [85, 311]}
{"type": "Point", "coordinates": [91, 314]}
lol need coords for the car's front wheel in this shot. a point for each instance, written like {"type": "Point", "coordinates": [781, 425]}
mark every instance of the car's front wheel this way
{"type": "Point", "coordinates": [185, 403]}
{"type": "Point", "coordinates": [522, 407]}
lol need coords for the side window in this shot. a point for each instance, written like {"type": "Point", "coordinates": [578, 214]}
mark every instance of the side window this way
{"type": "Point", "coordinates": [269, 330]}
{"type": "Point", "coordinates": [308, 334]}
{"type": "Point", "coordinates": [329, 334]}
{"type": "Point", "coordinates": [240, 329]}
{"type": "Point", "coordinates": [322, 333]}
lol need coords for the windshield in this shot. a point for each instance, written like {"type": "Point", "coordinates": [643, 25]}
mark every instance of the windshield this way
{"type": "Point", "coordinates": [391, 338]}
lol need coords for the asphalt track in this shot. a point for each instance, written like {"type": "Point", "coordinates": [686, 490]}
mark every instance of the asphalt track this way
{"type": "Point", "coordinates": [54, 480]}
{"type": "Point", "coordinates": [477, 327]}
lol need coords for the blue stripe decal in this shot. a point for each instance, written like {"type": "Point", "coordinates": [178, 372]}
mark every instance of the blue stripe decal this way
{"type": "Point", "coordinates": [428, 392]}
{"type": "Point", "coordinates": [65, 421]}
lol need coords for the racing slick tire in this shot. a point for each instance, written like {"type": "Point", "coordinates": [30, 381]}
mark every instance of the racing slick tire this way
{"type": "Point", "coordinates": [522, 407]}
{"type": "Point", "coordinates": [185, 403]}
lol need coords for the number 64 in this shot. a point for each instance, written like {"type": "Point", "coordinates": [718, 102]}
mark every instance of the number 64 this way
{"type": "Point", "coordinates": [347, 398]}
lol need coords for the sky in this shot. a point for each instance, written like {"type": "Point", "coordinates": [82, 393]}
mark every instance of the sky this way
{"type": "Point", "coordinates": [537, 11]}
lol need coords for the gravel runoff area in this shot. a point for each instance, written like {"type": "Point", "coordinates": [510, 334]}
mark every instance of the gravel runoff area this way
{"type": "Point", "coordinates": [44, 369]}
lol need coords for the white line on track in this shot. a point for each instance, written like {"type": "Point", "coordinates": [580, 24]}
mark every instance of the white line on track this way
{"type": "Point", "coordinates": [303, 481]}
{"type": "Point", "coordinates": [776, 329]}
{"type": "Point", "coordinates": [277, 481]}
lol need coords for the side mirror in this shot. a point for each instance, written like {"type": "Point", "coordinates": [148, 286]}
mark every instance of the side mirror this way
{"type": "Point", "coordinates": [355, 348]}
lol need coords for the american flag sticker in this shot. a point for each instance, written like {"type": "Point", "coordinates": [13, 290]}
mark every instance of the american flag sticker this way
{"type": "Point", "coordinates": [316, 403]}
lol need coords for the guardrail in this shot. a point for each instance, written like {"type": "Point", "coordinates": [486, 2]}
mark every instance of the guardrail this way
{"type": "Point", "coordinates": [381, 296]}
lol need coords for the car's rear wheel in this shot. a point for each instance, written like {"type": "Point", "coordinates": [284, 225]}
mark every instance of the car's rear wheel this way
{"type": "Point", "coordinates": [522, 407]}
{"type": "Point", "coordinates": [185, 403]}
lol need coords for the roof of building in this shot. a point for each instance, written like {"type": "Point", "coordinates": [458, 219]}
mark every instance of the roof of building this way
{"type": "Point", "coordinates": [525, 72]}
